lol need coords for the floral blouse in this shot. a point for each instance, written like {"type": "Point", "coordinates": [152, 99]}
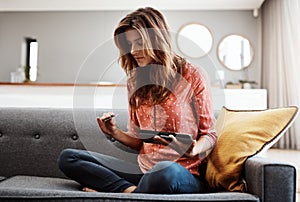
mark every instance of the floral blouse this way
{"type": "Point", "coordinates": [188, 110]}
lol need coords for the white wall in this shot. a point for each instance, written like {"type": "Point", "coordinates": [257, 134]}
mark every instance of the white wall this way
{"type": "Point", "coordinates": [77, 46]}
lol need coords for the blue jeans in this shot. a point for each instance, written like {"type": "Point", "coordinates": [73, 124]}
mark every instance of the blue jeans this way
{"type": "Point", "coordinates": [105, 173]}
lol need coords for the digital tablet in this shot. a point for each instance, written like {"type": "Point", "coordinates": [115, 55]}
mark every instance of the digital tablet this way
{"type": "Point", "coordinates": [148, 136]}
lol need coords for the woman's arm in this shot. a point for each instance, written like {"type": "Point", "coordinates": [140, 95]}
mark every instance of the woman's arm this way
{"type": "Point", "coordinates": [203, 107]}
{"type": "Point", "coordinates": [203, 112]}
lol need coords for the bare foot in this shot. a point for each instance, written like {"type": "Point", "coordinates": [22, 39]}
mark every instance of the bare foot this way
{"type": "Point", "coordinates": [129, 189]}
{"type": "Point", "coordinates": [88, 189]}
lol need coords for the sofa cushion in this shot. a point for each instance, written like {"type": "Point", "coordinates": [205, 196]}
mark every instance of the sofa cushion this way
{"type": "Point", "coordinates": [48, 189]}
{"type": "Point", "coordinates": [242, 134]}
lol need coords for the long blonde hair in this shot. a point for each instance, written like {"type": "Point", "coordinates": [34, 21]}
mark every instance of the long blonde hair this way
{"type": "Point", "coordinates": [154, 31]}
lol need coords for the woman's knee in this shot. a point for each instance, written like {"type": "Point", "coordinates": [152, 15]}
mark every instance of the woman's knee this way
{"type": "Point", "coordinates": [163, 177]}
{"type": "Point", "coordinates": [66, 157]}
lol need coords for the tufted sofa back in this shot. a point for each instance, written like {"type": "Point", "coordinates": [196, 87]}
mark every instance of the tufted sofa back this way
{"type": "Point", "coordinates": [31, 139]}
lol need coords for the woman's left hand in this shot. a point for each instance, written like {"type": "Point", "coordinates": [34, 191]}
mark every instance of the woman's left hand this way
{"type": "Point", "coordinates": [186, 149]}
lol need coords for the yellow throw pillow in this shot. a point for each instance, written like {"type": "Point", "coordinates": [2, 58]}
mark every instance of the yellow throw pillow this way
{"type": "Point", "coordinates": [242, 134]}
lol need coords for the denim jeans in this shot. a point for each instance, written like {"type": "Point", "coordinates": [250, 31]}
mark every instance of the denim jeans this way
{"type": "Point", "coordinates": [106, 173]}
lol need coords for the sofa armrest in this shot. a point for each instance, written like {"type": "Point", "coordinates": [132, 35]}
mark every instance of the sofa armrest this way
{"type": "Point", "coordinates": [270, 180]}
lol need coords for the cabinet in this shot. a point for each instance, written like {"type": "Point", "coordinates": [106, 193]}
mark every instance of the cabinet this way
{"type": "Point", "coordinates": [112, 96]}
{"type": "Point", "coordinates": [240, 99]}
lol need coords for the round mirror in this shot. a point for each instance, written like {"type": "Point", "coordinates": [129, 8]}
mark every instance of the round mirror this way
{"type": "Point", "coordinates": [235, 52]}
{"type": "Point", "coordinates": [194, 40]}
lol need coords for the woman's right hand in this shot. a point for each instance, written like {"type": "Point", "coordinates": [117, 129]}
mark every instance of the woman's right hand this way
{"type": "Point", "coordinates": [107, 126]}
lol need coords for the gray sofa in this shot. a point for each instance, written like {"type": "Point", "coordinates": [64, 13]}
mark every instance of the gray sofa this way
{"type": "Point", "coordinates": [32, 138]}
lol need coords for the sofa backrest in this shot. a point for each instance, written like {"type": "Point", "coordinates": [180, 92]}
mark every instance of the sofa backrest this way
{"type": "Point", "coordinates": [31, 139]}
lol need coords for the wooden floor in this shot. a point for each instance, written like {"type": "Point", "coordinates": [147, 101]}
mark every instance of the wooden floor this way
{"type": "Point", "coordinates": [291, 156]}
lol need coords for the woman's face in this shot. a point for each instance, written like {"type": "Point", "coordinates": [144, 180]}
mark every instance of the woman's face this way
{"type": "Point", "coordinates": [135, 42]}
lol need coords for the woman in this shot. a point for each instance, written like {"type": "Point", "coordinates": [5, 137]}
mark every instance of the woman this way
{"type": "Point", "coordinates": [166, 93]}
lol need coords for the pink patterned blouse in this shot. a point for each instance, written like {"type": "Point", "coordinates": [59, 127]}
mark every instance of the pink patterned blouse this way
{"type": "Point", "coordinates": [188, 110]}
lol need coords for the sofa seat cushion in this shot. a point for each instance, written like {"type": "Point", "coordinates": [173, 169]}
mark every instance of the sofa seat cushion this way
{"type": "Point", "coordinates": [45, 188]}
